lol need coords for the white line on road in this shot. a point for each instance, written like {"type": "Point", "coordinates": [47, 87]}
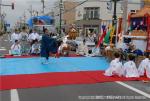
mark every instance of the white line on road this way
{"type": "Point", "coordinates": [5, 40]}
{"type": "Point", "coordinates": [14, 95]}
{"type": "Point", "coordinates": [2, 49]}
{"type": "Point", "coordinates": [134, 89]}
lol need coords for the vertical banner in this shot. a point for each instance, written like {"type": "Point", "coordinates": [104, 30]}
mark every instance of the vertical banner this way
{"type": "Point", "coordinates": [120, 30]}
{"type": "Point", "coordinates": [112, 34]}
{"type": "Point", "coordinates": [148, 33]}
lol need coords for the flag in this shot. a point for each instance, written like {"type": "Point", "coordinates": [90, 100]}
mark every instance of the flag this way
{"type": "Point", "coordinates": [107, 37]}
{"type": "Point", "coordinates": [101, 38]}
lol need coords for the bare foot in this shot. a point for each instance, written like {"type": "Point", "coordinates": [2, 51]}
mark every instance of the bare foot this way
{"type": "Point", "coordinates": [145, 81]}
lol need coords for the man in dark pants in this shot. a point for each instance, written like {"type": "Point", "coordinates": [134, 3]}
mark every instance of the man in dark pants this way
{"type": "Point", "coordinates": [48, 45]}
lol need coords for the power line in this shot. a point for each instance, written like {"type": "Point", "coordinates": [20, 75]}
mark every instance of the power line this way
{"type": "Point", "coordinates": [72, 8]}
{"type": "Point", "coordinates": [99, 1]}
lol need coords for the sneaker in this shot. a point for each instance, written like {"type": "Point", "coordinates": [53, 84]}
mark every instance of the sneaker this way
{"type": "Point", "coordinates": [45, 63]}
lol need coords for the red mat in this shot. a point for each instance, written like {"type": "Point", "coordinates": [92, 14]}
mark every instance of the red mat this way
{"type": "Point", "coordinates": [57, 79]}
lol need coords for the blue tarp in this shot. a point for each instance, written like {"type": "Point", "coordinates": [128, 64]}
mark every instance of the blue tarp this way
{"type": "Point", "coordinates": [64, 64]}
{"type": "Point", "coordinates": [45, 19]}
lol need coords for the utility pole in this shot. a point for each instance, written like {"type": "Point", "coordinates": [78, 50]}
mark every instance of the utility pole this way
{"type": "Point", "coordinates": [0, 14]}
{"type": "Point", "coordinates": [60, 26]}
{"type": "Point", "coordinates": [115, 18]}
{"type": "Point", "coordinates": [43, 3]}
{"type": "Point", "coordinates": [31, 11]}
{"type": "Point", "coordinates": [24, 18]}
{"type": "Point", "coordinates": [125, 13]}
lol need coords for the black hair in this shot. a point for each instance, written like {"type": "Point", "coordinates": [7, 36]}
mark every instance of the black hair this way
{"type": "Point", "coordinates": [117, 55]}
{"type": "Point", "coordinates": [36, 40]}
{"type": "Point", "coordinates": [146, 55]}
{"type": "Point", "coordinates": [84, 40]}
{"type": "Point", "coordinates": [90, 51]}
{"type": "Point", "coordinates": [30, 31]}
{"type": "Point", "coordinates": [23, 28]}
{"type": "Point", "coordinates": [16, 30]}
{"type": "Point", "coordinates": [59, 42]}
{"type": "Point", "coordinates": [44, 30]}
{"type": "Point", "coordinates": [16, 41]}
{"type": "Point", "coordinates": [131, 57]}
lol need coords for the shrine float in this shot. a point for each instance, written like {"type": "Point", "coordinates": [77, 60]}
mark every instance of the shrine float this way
{"type": "Point", "coordinates": [139, 24]}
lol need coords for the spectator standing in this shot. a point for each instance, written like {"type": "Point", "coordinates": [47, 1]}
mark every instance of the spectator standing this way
{"type": "Point", "coordinates": [24, 42]}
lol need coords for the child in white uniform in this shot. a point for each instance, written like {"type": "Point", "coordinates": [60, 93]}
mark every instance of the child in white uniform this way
{"type": "Point", "coordinates": [82, 49]}
{"type": "Point", "coordinates": [35, 49]}
{"type": "Point", "coordinates": [115, 67]}
{"type": "Point", "coordinates": [145, 67]}
{"type": "Point", "coordinates": [16, 48]}
{"type": "Point", "coordinates": [15, 36]}
{"type": "Point", "coordinates": [129, 68]}
{"type": "Point", "coordinates": [144, 63]}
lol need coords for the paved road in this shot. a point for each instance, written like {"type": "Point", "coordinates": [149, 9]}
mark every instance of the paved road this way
{"type": "Point", "coordinates": [119, 91]}
{"type": "Point", "coordinates": [103, 92]}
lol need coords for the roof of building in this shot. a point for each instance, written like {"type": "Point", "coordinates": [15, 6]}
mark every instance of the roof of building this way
{"type": "Point", "coordinates": [142, 12]}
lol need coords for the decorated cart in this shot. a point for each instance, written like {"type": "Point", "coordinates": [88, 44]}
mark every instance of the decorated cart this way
{"type": "Point", "coordinates": [140, 29]}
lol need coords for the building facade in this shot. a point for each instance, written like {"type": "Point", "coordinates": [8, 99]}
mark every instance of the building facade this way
{"type": "Point", "coordinates": [93, 14]}
{"type": "Point", "coordinates": [68, 13]}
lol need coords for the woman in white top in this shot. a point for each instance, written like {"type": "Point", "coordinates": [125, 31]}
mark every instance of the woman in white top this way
{"type": "Point", "coordinates": [33, 36]}
{"type": "Point", "coordinates": [115, 67]}
{"type": "Point", "coordinates": [129, 68]}
{"type": "Point", "coordinates": [16, 48]}
{"type": "Point", "coordinates": [15, 36]}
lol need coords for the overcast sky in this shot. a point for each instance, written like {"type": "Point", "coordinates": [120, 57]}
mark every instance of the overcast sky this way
{"type": "Point", "coordinates": [22, 6]}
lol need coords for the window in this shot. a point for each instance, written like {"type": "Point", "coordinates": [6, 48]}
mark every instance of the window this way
{"type": "Point", "coordinates": [91, 13]}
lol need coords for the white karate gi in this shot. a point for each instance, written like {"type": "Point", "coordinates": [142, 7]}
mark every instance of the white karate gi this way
{"type": "Point", "coordinates": [16, 49]}
{"type": "Point", "coordinates": [33, 36]}
{"type": "Point", "coordinates": [142, 66]}
{"type": "Point", "coordinates": [148, 70]}
{"type": "Point", "coordinates": [35, 49]}
{"type": "Point", "coordinates": [15, 36]}
{"type": "Point", "coordinates": [82, 49]}
{"type": "Point", "coordinates": [130, 70]}
{"type": "Point", "coordinates": [115, 68]}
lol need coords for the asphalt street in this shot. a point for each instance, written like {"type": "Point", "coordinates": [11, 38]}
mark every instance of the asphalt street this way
{"type": "Point", "coordinates": [116, 91]}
